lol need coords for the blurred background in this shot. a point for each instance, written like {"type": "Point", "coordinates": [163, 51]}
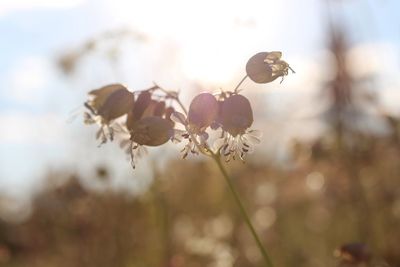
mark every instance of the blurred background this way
{"type": "Point", "coordinates": [323, 187]}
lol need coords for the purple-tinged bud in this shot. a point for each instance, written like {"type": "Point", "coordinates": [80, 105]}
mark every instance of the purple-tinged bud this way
{"type": "Point", "coordinates": [257, 69]}
{"type": "Point", "coordinates": [266, 67]}
{"type": "Point", "coordinates": [202, 112]}
{"type": "Point", "coordinates": [236, 115]}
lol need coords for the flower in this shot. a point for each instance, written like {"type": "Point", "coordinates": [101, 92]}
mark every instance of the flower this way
{"type": "Point", "coordinates": [151, 131]}
{"type": "Point", "coordinates": [203, 111]}
{"type": "Point", "coordinates": [146, 125]}
{"type": "Point", "coordinates": [236, 114]}
{"type": "Point", "coordinates": [142, 103]}
{"type": "Point", "coordinates": [233, 147]}
{"type": "Point", "coordinates": [110, 102]}
{"type": "Point", "coordinates": [107, 104]}
{"type": "Point", "coordinates": [265, 67]}
{"type": "Point", "coordinates": [148, 131]}
{"type": "Point", "coordinates": [193, 137]}
{"type": "Point", "coordinates": [236, 117]}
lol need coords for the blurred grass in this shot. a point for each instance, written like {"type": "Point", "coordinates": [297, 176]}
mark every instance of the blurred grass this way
{"type": "Point", "coordinates": [341, 188]}
{"type": "Point", "coordinates": [189, 219]}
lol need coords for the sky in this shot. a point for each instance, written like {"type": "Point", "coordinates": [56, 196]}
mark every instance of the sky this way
{"type": "Point", "coordinates": [187, 43]}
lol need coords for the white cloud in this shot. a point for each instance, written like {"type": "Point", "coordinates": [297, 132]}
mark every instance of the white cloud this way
{"type": "Point", "coordinates": [7, 6]}
{"type": "Point", "coordinates": [28, 78]}
{"type": "Point", "coordinates": [372, 58]}
{"type": "Point", "coordinates": [24, 128]}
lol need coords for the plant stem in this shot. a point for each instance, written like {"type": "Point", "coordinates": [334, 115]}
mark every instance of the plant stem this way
{"type": "Point", "coordinates": [240, 83]}
{"type": "Point", "coordinates": [246, 217]}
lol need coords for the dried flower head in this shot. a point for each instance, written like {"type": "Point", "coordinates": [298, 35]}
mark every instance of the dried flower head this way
{"type": "Point", "coordinates": [100, 96]}
{"type": "Point", "coordinates": [159, 109]}
{"type": "Point", "coordinates": [116, 105]}
{"type": "Point", "coordinates": [265, 67]}
{"type": "Point", "coordinates": [107, 104]}
{"type": "Point", "coordinates": [147, 124]}
{"type": "Point", "coordinates": [152, 131]}
{"type": "Point", "coordinates": [141, 104]}
{"type": "Point", "coordinates": [110, 102]}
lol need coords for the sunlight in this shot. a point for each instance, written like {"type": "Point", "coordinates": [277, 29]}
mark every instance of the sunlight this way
{"type": "Point", "coordinates": [210, 42]}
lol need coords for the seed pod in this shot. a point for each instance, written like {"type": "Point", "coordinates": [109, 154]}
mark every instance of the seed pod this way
{"type": "Point", "coordinates": [151, 107]}
{"type": "Point", "coordinates": [130, 121]}
{"type": "Point", "coordinates": [168, 112]}
{"type": "Point", "coordinates": [118, 103]}
{"type": "Point", "coordinates": [217, 122]}
{"type": "Point", "coordinates": [101, 95]}
{"type": "Point", "coordinates": [152, 131]}
{"type": "Point", "coordinates": [159, 109]}
{"type": "Point", "coordinates": [202, 111]}
{"type": "Point", "coordinates": [142, 102]}
{"type": "Point", "coordinates": [236, 115]}
{"type": "Point", "coordinates": [258, 69]}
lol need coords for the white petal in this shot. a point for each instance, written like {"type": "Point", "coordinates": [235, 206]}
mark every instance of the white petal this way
{"type": "Point", "coordinates": [218, 143]}
{"type": "Point", "coordinates": [177, 136]}
{"type": "Point", "coordinates": [256, 133]}
{"type": "Point", "coordinates": [252, 139]}
{"type": "Point", "coordinates": [249, 148]}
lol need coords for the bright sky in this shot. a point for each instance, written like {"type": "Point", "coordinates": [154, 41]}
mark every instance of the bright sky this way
{"type": "Point", "coordinates": [189, 41]}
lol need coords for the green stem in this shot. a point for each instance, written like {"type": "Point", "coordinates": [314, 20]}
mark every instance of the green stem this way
{"type": "Point", "coordinates": [246, 217]}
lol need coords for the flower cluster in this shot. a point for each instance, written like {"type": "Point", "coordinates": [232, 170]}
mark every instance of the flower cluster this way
{"type": "Point", "coordinates": [148, 118]}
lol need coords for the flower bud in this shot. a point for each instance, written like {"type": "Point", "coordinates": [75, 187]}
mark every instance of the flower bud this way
{"type": "Point", "coordinates": [152, 131]}
{"type": "Point", "coordinates": [257, 69]}
{"type": "Point", "coordinates": [154, 108]}
{"type": "Point", "coordinates": [141, 104]}
{"type": "Point", "coordinates": [144, 107]}
{"type": "Point", "coordinates": [100, 95]}
{"type": "Point", "coordinates": [149, 111]}
{"type": "Point", "coordinates": [118, 103]}
{"type": "Point", "coordinates": [202, 111]}
{"type": "Point", "coordinates": [159, 109]}
{"type": "Point", "coordinates": [236, 115]}
{"type": "Point", "coordinates": [266, 67]}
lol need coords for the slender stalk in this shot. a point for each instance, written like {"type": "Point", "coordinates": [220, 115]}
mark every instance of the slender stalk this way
{"type": "Point", "coordinates": [217, 158]}
{"type": "Point", "coordinates": [240, 83]}
{"type": "Point", "coordinates": [246, 217]}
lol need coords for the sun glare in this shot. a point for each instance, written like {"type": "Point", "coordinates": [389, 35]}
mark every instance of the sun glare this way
{"type": "Point", "coordinates": [210, 42]}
